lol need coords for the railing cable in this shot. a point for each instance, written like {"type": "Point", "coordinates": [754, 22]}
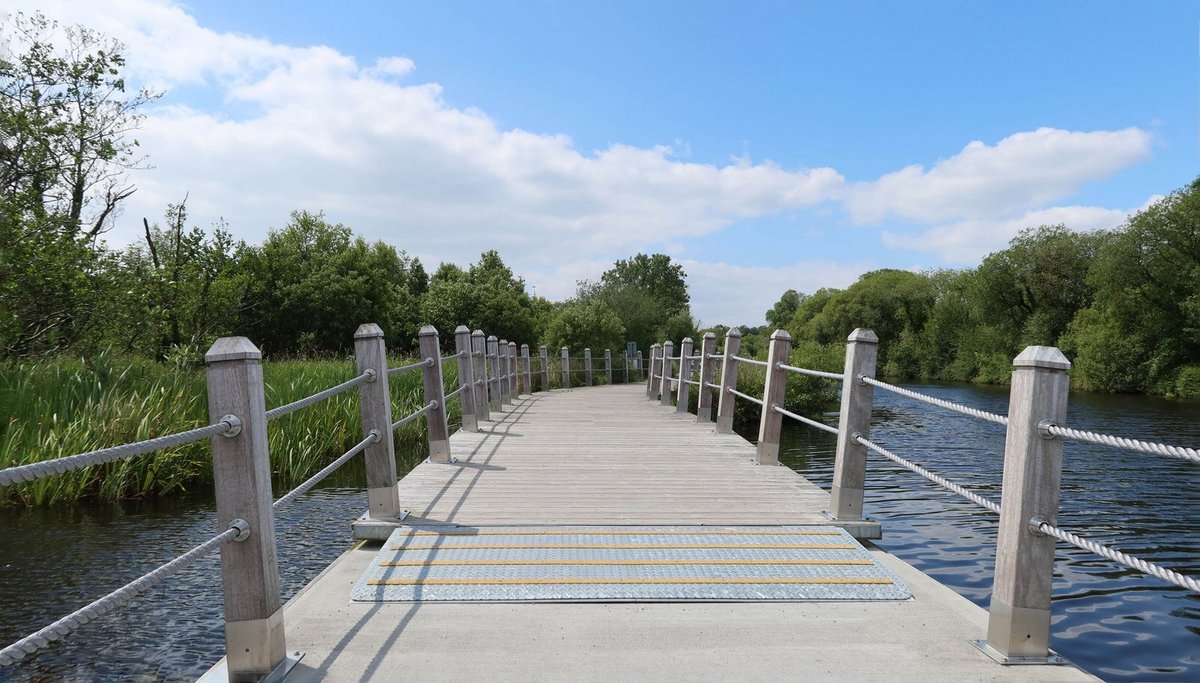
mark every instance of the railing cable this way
{"type": "Point", "coordinates": [942, 403]}
{"type": "Point", "coordinates": [312, 481]}
{"type": "Point", "coordinates": [46, 468]}
{"type": "Point", "coordinates": [274, 413]}
{"type": "Point", "coordinates": [808, 421]}
{"type": "Point", "coordinates": [1115, 555]}
{"type": "Point", "coordinates": [30, 644]}
{"type": "Point", "coordinates": [935, 478]}
{"type": "Point", "coordinates": [1189, 454]}
{"type": "Point", "coordinates": [750, 361]}
{"type": "Point", "coordinates": [814, 373]}
{"type": "Point", "coordinates": [427, 363]}
{"type": "Point", "coordinates": [412, 416]}
{"type": "Point", "coordinates": [748, 397]}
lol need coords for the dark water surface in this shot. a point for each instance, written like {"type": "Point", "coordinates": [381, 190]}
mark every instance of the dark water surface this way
{"type": "Point", "coordinates": [1113, 622]}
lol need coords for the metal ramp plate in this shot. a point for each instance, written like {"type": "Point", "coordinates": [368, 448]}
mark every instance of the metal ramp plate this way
{"type": "Point", "coordinates": [625, 564]}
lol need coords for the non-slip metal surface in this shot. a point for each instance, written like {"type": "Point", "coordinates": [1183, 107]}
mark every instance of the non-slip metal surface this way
{"type": "Point", "coordinates": [625, 563]}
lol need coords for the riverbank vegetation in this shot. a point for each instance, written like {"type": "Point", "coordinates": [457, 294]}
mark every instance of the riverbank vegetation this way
{"type": "Point", "coordinates": [1122, 304]}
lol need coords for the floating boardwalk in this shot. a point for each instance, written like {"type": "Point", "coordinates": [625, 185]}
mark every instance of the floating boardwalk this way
{"type": "Point", "coordinates": [593, 473]}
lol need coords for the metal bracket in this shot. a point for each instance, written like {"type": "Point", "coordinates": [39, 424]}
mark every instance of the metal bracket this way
{"type": "Point", "coordinates": [243, 529]}
{"type": "Point", "coordinates": [290, 660]}
{"type": "Point", "coordinates": [1044, 429]}
{"type": "Point", "coordinates": [370, 373]}
{"type": "Point", "coordinates": [1035, 525]}
{"type": "Point", "coordinates": [1051, 658]}
{"type": "Point", "coordinates": [235, 426]}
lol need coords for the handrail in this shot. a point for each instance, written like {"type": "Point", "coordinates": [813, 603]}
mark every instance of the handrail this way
{"type": "Point", "coordinates": [748, 397]}
{"type": "Point", "coordinates": [1179, 452]}
{"type": "Point", "coordinates": [312, 481]}
{"type": "Point", "coordinates": [414, 415]}
{"type": "Point", "coordinates": [808, 421]}
{"type": "Point", "coordinates": [812, 373]}
{"type": "Point", "coordinates": [942, 403]}
{"type": "Point", "coordinates": [750, 361]}
{"type": "Point", "coordinates": [427, 363]}
{"type": "Point", "coordinates": [229, 425]}
{"type": "Point", "coordinates": [367, 376]}
{"type": "Point", "coordinates": [935, 478]}
{"type": "Point", "coordinates": [238, 530]}
{"type": "Point", "coordinates": [456, 392]}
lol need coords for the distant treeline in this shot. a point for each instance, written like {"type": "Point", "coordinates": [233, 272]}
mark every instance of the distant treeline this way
{"type": "Point", "coordinates": [1123, 305]}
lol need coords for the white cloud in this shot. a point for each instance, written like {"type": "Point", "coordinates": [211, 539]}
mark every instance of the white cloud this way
{"type": "Point", "coordinates": [1022, 171]}
{"type": "Point", "coordinates": [966, 242]}
{"type": "Point", "coordinates": [741, 295]}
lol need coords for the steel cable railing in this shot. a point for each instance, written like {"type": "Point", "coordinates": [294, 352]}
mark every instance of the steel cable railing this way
{"type": "Point", "coordinates": [748, 397]}
{"type": "Point", "coordinates": [312, 481]}
{"type": "Point", "coordinates": [427, 363]}
{"type": "Point", "coordinates": [941, 403]}
{"type": "Point", "coordinates": [1157, 571]}
{"type": "Point", "coordinates": [30, 644]}
{"type": "Point", "coordinates": [808, 421]}
{"type": "Point", "coordinates": [274, 413]}
{"type": "Point", "coordinates": [414, 415]}
{"type": "Point", "coordinates": [813, 373]}
{"type": "Point", "coordinates": [1179, 452]}
{"type": "Point", "coordinates": [750, 361]}
{"type": "Point", "coordinates": [33, 471]}
{"type": "Point", "coordinates": [935, 478]}
{"type": "Point", "coordinates": [456, 392]}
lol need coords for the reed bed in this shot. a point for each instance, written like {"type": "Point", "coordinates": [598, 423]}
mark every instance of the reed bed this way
{"type": "Point", "coordinates": [63, 406]}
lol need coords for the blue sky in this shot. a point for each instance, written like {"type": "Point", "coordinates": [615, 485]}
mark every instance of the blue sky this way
{"type": "Point", "coordinates": [766, 145]}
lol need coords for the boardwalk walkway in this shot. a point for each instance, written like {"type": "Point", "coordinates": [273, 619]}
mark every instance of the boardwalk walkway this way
{"type": "Point", "coordinates": [607, 456]}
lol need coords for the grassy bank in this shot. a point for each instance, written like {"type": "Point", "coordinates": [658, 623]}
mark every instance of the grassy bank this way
{"type": "Point", "coordinates": [63, 406]}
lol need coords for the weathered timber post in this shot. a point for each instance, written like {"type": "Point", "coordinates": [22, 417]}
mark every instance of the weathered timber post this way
{"type": "Point", "coordinates": [505, 372]}
{"type": "Point", "coordinates": [375, 404]}
{"type": "Point", "coordinates": [435, 420]}
{"type": "Point", "coordinates": [587, 367]}
{"type": "Point", "coordinates": [493, 353]}
{"type": "Point", "coordinates": [608, 364]}
{"type": "Point", "coordinates": [774, 395]}
{"type": "Point", "coordinates": [466, 378]}
{"type": "Point", "coordinates": [545, 367]}
{"type": "Point", "coordinates": [685, 373]}
{"type": "Point", "coordinates": [638, 364]}
{"type": "Point", "coordinates": [254, 639]}
{"type": "Point", "coordinates": [729, 373]}
{"type": "Point", "coordinates": [514, 374]}
{"type": "Point", "coordinates": [708, 347]}
{"type": "Point", "coordinates": [1019, 616]}
{"type": "Point", "coordinates": [854, 419]}
{"type": "Point", "coordinates": [651, 385]}
{"type": "Point", "coordinates": [479, 364]}
{"type": "Point", "coordinates": [664, 398]}
{"type": "Point", "coordinates": [528, 368]}
{"type": "Point", "coordinates": [624, 367]}
{"type": "Point", "coordinates": [566, 368]}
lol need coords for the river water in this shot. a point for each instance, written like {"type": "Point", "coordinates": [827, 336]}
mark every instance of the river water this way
{"type": "Point", "coordinates": [1113, 622]}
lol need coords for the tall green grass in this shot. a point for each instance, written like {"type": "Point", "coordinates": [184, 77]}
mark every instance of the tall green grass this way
{"type": "Point", "coordinates": [63, 406]}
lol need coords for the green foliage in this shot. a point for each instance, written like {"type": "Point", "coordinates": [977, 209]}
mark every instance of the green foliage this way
{"type": "Point", "coordinates": [1187, 385]}
{"type": "Point", "coordinates": [585, 324]}
{"type": "Point", "coordinates": [649, 294]}
{"type": "Point", "coordinates": [783, 310]}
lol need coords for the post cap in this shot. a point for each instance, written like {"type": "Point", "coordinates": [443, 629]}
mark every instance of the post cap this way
{"type": "Point", "coordinates": [687, 339]}
{"type": "Point", "coordinates": [232, 348]}
{"type": "Point", "coordinates": [462, 328]}
{"type": "Point", "coordinates": [368, 331]}
{"type": "Point", "coordinates": [477, 333]}
{"type": "Point", "coordinates": [733, 332]}
{"type": "Point", "coordinates": [524, 347]}
{"type": "Point", "coordinates": [587, 349]}
{"type": "Point", "coordinates": [492, 337]}
{"type": "Point", "coordinates": [710, 335]}
{"type": "Point", "coordinates": [1042, 357]}
{"type": "Point", "coordinates": [513, 344]}
{"type": "Point", "coordinates": [541, 348]}
{"type": "Point", "coordinates": [428, 331]}
{"type": "Point", "coordinates": [781, 334]}
{"type": "Point", "coordinates": [863, 335]}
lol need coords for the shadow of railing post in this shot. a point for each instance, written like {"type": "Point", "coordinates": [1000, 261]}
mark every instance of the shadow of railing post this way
{"type": "Point", "coordinates": [254, 638]}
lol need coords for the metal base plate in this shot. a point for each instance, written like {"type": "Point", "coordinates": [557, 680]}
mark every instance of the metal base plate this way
{"type": "Point", "coordinates": [1052, 658]}
{"type": "Point", "coordinates": [625, 564]}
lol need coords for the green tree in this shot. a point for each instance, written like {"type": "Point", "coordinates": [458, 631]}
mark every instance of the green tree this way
{"type": "Point", "coordinates": [647, 292]}
{"type": "Point", "coordinates": [585, 324]}
{"type": "Point", "coordinates": [781, 313]}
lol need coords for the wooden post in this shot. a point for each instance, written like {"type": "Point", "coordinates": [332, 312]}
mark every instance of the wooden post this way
{"type": "Point", "coordinates": [1019, 616]}
{"type": "Point", "coordinates": [587, 367]}
{"type": "Point", "coordinates": [466, 376]}
{"type": "Point", "coordinates": [729, 373]}
{"type": "Point", "coordinates": [254, 639]}
{"type": "Point", "coordinates": [526, 369]}
{"type": "Point", "coordinates": [664, 396]}
{"type": "Point", "coordinates": [685, 372]}
{"type": "Point", "coordinates": [708, 347]}
{"type": "Point", "coordinates": [435, 420]}
{"type": "Point", "coordinates": [850, 461]}
{"type": "Point", "coordinates": [493, 352]}
{"type": "Point", "coordinates": [545, 367]}
{"type": "Point", "coordinates": [479, 364]}
{"type": "Point", "coordinates": [608, 364]}
{"type": "Point", "coordinates": [566, 368]}
{"type": "Point", "coordinates": [503, 372]}
{"type": "Point", "coordinates": [625, 367]}
{"type": "Point", "coordinates": [774, 394]}
{"type": "Point", "coordinates": [375, 404]}
{"type": "Point", "coordinates": [651, 384]}
{"type": "Point", "coordinates": [514, 375]}
{"type": "Point", "coordinates": [638, 365]}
